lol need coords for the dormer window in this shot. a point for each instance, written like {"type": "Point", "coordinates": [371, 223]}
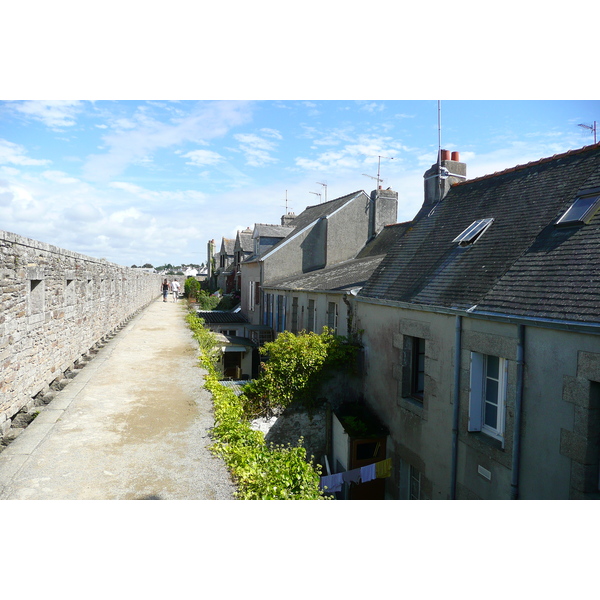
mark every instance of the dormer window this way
{"type": "Point", "coordinates": [581, 210]}
{"type": "Point", "coordinates": [473, 232]}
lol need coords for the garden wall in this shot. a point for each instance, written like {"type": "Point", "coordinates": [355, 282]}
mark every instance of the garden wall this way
{"type": "Point", "coordinates": [56, 305]}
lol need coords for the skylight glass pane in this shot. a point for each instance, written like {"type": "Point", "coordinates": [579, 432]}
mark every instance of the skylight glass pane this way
{"type": "Point", "coordinates": [473, 231]}
{"type": "Point", "coordinates": [580, 209]}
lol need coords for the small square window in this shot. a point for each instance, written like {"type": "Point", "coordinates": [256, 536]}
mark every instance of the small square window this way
{"type": "Point", "coordinates": [582, 209]}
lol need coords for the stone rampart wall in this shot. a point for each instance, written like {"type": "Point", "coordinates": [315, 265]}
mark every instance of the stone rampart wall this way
{"type": "Point", "coordinates": [55, 306]}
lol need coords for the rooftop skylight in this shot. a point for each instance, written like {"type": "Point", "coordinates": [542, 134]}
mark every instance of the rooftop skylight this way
{"type": "Point", "coordinates": [581, 210]}
{"type": "Point", "coordinates": [473, 232]}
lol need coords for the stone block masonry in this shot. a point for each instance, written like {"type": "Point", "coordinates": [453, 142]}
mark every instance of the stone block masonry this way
{"type": "Point", "coordinates": [55, 306]}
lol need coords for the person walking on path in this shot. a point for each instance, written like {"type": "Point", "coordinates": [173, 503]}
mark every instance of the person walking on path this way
{"type": "Point", "coordinates": [175, 287]}
{"type": "Point", "coordinates": [165, 290]}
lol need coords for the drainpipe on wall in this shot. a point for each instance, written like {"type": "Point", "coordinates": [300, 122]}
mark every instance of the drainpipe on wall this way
{"type": "Point", "coordinates": [516, 453]}
{"type": "Point", "coordinates": [456, 400]}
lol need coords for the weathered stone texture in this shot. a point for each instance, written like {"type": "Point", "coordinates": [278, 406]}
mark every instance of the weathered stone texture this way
{"type": "Point", "coordinates": [56, 305]}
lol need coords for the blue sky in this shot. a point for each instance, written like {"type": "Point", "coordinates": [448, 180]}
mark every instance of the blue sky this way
{"type": "Point", "coordinates": [152, 181]}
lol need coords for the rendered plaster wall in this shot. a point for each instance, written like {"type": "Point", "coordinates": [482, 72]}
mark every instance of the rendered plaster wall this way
{"type": "Point", "coordinates": [420, 432]}
{"type": "Point", "coordinates": [55, 305]}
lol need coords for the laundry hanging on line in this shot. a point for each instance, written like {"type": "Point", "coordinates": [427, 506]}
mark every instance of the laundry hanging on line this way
{"type": "Point", "coordinates": [379, 470]}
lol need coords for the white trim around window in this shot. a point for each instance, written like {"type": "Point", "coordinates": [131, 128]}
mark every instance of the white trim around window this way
{"type": "Point", "coordinates": [487, 398]}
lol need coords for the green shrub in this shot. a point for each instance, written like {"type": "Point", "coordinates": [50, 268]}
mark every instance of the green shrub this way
{"type": "Point", "coordinates": [191, 287]}
{"type": "Point", "coordinates": [261, 472]}
{"type": "Point", "coordinates": [297, 365]}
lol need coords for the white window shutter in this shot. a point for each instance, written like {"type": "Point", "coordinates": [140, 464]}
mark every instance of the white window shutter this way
{"type": "Point", "coordinates": [476, 392]}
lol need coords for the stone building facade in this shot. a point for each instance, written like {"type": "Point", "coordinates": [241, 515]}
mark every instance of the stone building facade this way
{"type": "Point", "coordinates": [55, 306]}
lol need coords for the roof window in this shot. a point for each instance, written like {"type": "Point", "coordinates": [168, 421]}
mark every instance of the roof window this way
{"type": "Point", "coordinates": [581, 210]}
{"type": "Point", "coordinates": [473, 232]}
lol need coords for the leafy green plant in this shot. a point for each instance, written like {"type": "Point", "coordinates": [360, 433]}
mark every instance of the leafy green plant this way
{"type": "Point", "coordinates": [261, 472]}
{"type": "Point", "coordinates": [296, 367]}
{"type": "Point", "coordinates": [191, 287]}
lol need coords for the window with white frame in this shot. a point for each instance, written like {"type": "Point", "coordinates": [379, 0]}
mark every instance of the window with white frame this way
{"type": "Point", "coordinates": [487, 401]}
{"type": "Point", "coordinates": [251, 295]}
{"type": "Point", "coordinates": [332, 316]}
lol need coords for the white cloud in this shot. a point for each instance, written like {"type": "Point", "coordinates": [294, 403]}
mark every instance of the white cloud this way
{"type": "Point", "coordinates": [12, 153]}
{"type": "Point", "coordinates": [59, 177]}
{"type": "Point", "coordinates": [271, 133]}
{"type": "Point", "coordinates": [201, 158]}
{"type": "Point", "coordinates": [256, 149]}
{"type": "Point", "coordinates": [53, 113]}
{"type": "Point", "coordinates": [145, 135]}
{"type": "Point", "coordinates": [364, 151]}
{"type": "Point", "coordinates": [372, 107]}
{"type": "Point", "coordinates": [171, 199]}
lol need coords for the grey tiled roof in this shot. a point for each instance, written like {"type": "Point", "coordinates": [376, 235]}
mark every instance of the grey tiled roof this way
{"type": "Point", "coordinates": [348, 274]}
{"type": "Point", "coordinates": [386, 238]}
{"type": "Point", "coordinates": [274, 231]}
{"type": "Point", "coordinates": [217, 316]}
{"type": "Point", "coordinates": [523, 264]}
{"type": "Point", "coordinates": [343, 276]}
{"type": "Point", "coordinates": [227, 246]}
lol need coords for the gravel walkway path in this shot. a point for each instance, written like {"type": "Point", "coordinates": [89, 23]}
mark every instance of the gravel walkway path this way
{"type": "Point", "coordinates": [133, 424]}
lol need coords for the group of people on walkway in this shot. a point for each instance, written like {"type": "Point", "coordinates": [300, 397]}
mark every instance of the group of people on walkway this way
{"type": "Point", "coordinates": [172, 287]}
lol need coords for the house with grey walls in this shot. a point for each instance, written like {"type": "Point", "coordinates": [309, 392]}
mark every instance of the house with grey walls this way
{"type": "Point", "coordinates": [225, 266]}
{"type": "Point", "coordinates": [481, 335]}
{"type": "Point", "coordinates": [324, 297]}
{"type": "Point", "coordinates": [242, 250]}
{"type": "Point", "coordinates": [323, 235]}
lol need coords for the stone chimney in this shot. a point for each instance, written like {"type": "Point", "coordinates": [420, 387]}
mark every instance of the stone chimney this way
{"type": "Point", "coordinates": [383, 210]}
{"type": "Point", "coordinates": [437, 184]}
{"type": "Point", "coordinates": [286, 220]}
{"type": "Point", "coordinates": [210, 252]}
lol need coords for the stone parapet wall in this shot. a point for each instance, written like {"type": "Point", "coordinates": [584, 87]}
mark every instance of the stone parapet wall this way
{"type": "Point", "coordinates": [56, 305]}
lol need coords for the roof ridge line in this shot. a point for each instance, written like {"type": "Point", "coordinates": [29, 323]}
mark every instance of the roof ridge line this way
{"type": "Point", "coordinates": [530, 164]}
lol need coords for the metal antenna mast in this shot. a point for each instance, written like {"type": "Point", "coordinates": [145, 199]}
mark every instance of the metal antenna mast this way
{"type": "Point", "coordinates": [591, 127]}
{"type": "Point", "coordinates": [286, 203]}
{"type": "Point", "coordinates": [316, 194]}
{"type": "Point", "coordinates": [325, 187]}
{"type": "Point", "coordinates": [439, 161]}
{"type": "Point", "coordinates": [378, 178]}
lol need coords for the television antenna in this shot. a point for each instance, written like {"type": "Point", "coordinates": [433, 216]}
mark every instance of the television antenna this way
{"type": "Point", "coordinates": [287, 209]}
{"type": "Point", "coordinates": [325, 188]}
{"type": "Point", "coordinates": [590, 127]}
{"type": "Point", "coordinates": [378, 178]}
{"type": "Point", "coordinates": [316, 194]}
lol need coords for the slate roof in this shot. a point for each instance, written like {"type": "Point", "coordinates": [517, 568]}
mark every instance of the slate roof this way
{"type": "Point", "coordinates": [385, 239]}
{"type": "Point", "coordinates": [522, 264]}
{"type": "Point", "coordinates": [348, 274]}
{"type": "Point", "coordinates": [273, 231]}
{"type": "Point", "coordinates": [215, 317]}
{"type": "Point", "coordinates": [227, 245]}
{"type": "Point", "coordinates": [340, 277]}
{"type": "Point", "coordinates": [246, 244]}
